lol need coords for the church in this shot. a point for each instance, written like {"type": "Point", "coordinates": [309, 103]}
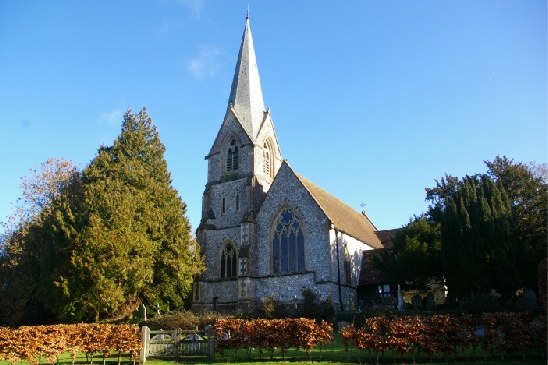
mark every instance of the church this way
{"type": "Point", "coordinates": [267, 231]}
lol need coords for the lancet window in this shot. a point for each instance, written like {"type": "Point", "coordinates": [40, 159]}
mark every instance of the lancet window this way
{"type": "Point", "coordinates": [266, 160]}
{"type": "Point", "coordinates": [232, 156]}
{"type": "Point", "coordinates": [229, 261]}
{"type": "Point", "coordinates": [347, 267]}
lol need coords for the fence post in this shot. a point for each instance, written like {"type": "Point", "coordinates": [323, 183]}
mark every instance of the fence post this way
{"type": "Point", "coordinates": [210, 342]}
{"type": "Point", "coordinates": [145, 338]}
{"type": "Point", "coordinates": [177, 336]}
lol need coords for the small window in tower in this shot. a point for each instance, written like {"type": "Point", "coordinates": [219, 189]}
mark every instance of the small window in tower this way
{"type": "Point", "coordinates": [232, 156]}
{"type": "Point", "coordinates": [266, 160]}
{"type": "Point", "coordinates": [224, 205]}
{"type": "Point", "coordinates": [237, 202]}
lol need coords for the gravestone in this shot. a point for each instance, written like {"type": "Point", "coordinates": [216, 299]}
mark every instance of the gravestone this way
{"type": "Point", "coordinates": [417, 302]}
{"type": "Point", "coordinates": [529, 299]}
{"type": "Point", "coordinates": [430, 303]}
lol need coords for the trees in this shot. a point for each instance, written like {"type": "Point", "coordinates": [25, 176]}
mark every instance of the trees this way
{"type": "Point", "coordinates": [492, 232]}
{"type": "Point", "coordinates": [415, 257]}
{"type": "Point", "coordinates": [135, 244]}
{"type": "Point", "coordinates": [99, 242]}
{"type": "Point", "coordinates": [527, 189]}
{"type": "Point", "coordinates": [28, 255]}
{"type": "Point", "coordinates": [480, 246]}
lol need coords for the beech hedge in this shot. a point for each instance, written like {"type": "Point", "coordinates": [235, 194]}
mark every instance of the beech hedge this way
{"type": "Point", "coordinates": [31, 343]}
{"type": "Point", "coordinates": [496, 333]}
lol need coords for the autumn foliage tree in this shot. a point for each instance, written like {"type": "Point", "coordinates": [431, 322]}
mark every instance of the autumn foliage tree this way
{"type": "Point", "coordinates": [28, 252]}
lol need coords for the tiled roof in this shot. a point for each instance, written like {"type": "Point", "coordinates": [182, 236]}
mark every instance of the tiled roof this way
{"type": "Point", "coordinates": [386, 236]}
{"type": "Point", "coordinates": [369, 274]}
{"type": "Point", "coordinates": [343, 217]}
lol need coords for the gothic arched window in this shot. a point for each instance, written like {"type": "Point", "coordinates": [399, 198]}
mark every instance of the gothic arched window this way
{"type": "Point", "coordinates": [229, 261]}
{"type": "Point", "coordinates": [232, 156]}
{"type": "Point", "coordinates": [287, 244]}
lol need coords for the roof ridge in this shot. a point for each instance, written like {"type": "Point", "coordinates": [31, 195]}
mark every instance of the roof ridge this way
{"type": "Point", "coordinates": [348, 225]}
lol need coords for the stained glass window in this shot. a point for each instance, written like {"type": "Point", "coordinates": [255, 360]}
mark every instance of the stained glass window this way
{"type": "Point", "coordinates": [287, 244]}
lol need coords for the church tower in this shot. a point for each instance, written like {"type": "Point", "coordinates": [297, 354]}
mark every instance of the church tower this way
{"type": "Point", "coordinates": [242, 163]}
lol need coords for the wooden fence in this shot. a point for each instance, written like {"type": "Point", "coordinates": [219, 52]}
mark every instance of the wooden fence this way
{"type": "Point", "coordinates": [177, 343]}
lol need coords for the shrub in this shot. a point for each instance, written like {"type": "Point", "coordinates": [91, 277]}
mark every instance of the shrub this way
{"type": "Point", "coordinates": [182, 319]}
{"type": "Point", "coordinates": [172, 320]}
{"type": "Point", "coordinates": [273, 308]}
{"type": "Point", "coordinates": [312, 307]}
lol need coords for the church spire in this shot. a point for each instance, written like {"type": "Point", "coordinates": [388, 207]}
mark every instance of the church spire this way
{"type": "Point", "coordinates": [246, 95]}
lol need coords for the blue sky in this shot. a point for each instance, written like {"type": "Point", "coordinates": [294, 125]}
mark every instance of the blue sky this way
{"type": "Point", "coordinates": [371, 100]}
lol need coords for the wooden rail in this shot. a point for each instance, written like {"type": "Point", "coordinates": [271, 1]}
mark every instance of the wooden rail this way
{"type": "Point", "coordinates": [177, 343]}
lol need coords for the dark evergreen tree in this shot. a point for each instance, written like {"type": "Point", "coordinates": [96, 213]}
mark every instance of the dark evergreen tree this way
{"type": "Point", "coordinates": [480, 246]}
{"type": "Point", "coordinates": [527, 188]}
{"type": "Point", "coordinates": [414, 261]}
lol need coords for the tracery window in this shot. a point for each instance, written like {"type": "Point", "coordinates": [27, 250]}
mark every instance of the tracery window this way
{"type": "Point", "coordinates": [228, 261]}
{"type": "Point", "coordinates": [232, 156]}
{"type": "Point", "coordinates": [287, 244]}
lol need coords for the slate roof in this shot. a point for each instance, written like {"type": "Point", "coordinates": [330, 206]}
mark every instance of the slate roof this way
{"type": "Point", "coordinates": [343, 217]}
{"type": "Point", "coordinates": [246, 95]}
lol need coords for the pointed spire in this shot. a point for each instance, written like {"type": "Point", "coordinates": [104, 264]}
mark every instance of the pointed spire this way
{"type": "Point", "coordinates": [246, 95]}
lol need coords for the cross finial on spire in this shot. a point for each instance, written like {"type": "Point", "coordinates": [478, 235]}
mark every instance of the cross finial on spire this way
{"type": "Point", "coordinates": [247, 16]}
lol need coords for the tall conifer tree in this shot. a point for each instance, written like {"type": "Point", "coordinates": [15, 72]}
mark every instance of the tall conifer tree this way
{"type": "Point", "coordinates": [527, 189]}
{"type": "Point", "coordinates": [480, 246]}
{"type": "Point", "coordinates": [135, 245]}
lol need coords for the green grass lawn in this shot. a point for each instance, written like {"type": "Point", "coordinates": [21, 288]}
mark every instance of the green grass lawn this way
{"type": "Point", "coordinates": [332, 354]}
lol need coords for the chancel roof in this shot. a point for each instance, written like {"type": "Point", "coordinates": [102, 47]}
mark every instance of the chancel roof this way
{"type": "Point", "coordinates": [343, 217]}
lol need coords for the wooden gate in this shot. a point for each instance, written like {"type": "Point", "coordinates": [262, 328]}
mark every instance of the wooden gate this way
{"type": "Point", "coordinates": [177, 343]}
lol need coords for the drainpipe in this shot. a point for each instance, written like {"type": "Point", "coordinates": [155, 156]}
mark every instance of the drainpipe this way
{"type": "Point", "coordinates": [338, 269]}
